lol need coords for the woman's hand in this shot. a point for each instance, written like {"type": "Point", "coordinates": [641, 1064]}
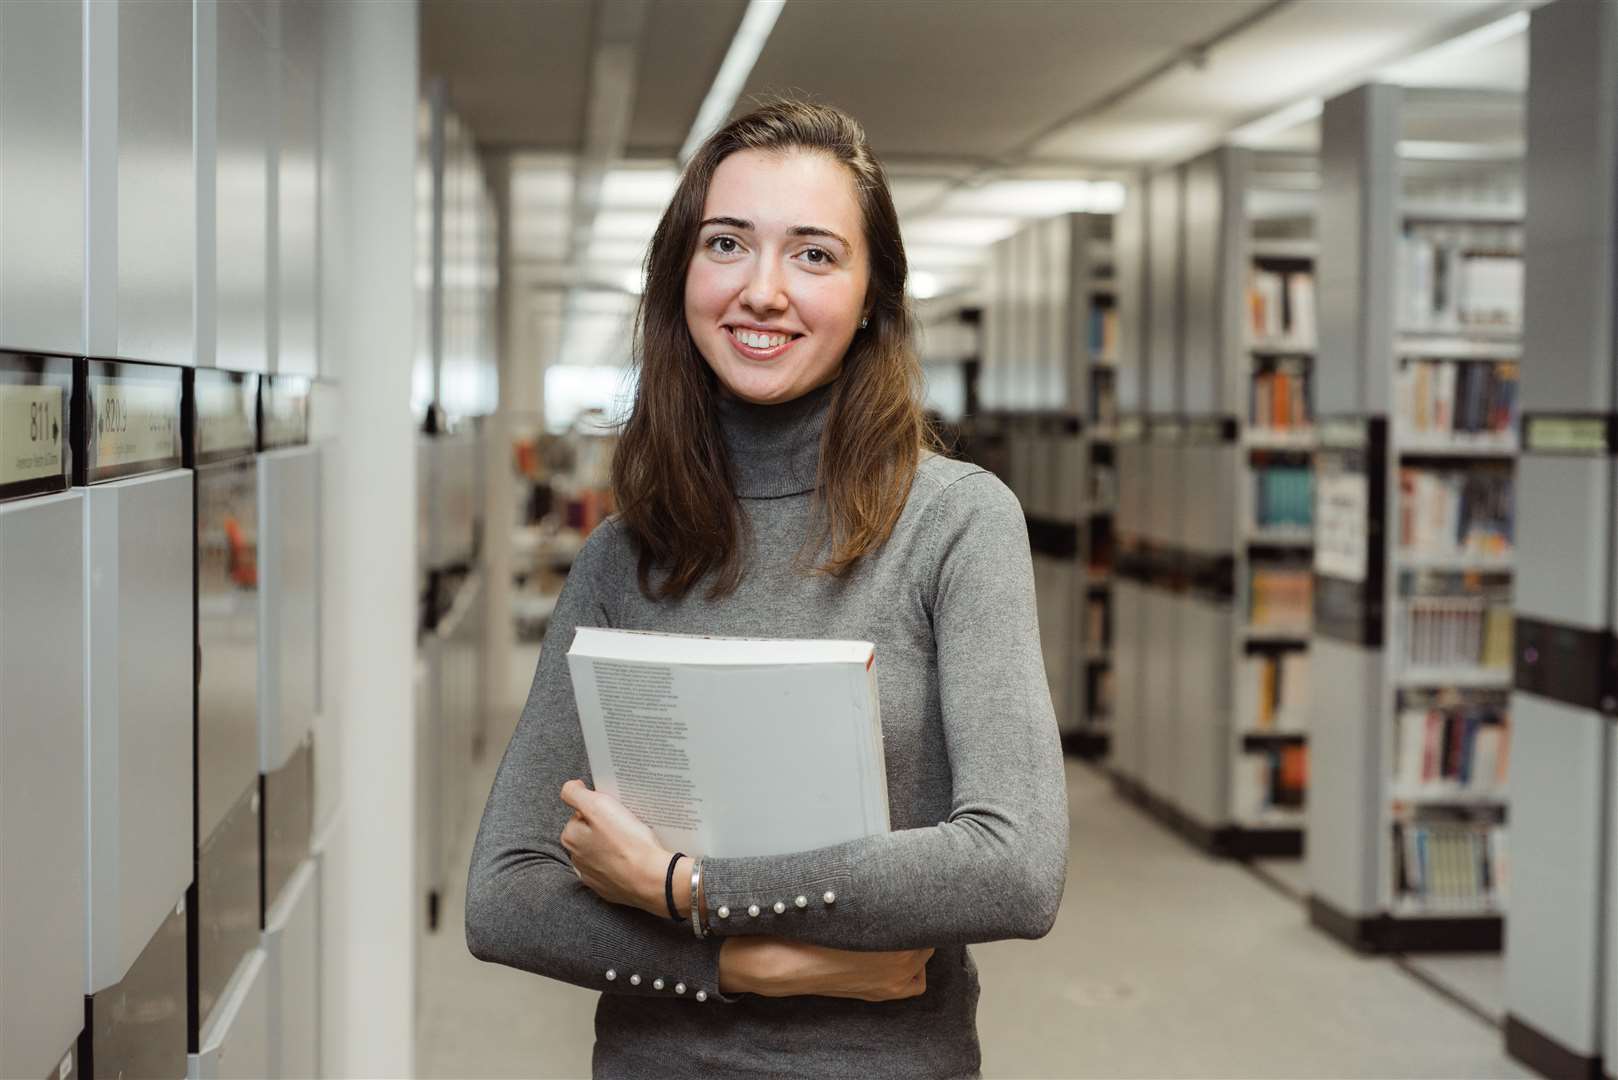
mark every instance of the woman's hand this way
{"type": "Point", "coordinates": [613, 851]}
{"type": "Point", "coordinates": [778, 967]}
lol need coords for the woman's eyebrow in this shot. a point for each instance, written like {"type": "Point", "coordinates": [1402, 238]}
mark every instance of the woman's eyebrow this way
{"type": "Point", "coordinates": [797, 230]}
{"type": "Point", "coordinates": [816, 230]}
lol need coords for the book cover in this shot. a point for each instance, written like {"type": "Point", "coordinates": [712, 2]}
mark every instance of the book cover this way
{"type": "Point", "coordinates": [734, 746]}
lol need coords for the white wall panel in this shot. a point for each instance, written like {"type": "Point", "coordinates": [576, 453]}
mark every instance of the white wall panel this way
{"type": "Point", "coordinates": [297, 194]}
{"type": "Point", "coordinates": [156, 202]}
{"type": "Point", "coordinates": [138, 614]}
{"type": "Point", "coordinates": [241, 178]}
{"type": "Point", "coordinates": [41, 781]}
{"type": "Point", "coordinates": [41, 176]}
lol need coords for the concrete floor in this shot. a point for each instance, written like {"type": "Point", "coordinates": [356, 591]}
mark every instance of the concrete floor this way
{"type": "Point", "coordinates": [1163, 963]}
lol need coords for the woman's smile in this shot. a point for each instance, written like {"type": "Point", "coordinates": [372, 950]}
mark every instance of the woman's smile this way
{"type": "Point", "coordinates": [759, 344]}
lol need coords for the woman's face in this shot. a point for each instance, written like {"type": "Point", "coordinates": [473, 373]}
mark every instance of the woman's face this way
{"type": "Point", "coordinates": [776, 288]}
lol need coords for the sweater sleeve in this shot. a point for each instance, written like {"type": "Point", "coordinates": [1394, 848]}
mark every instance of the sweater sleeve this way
{"type": "Point", "coordinates": [997, 867]}
{"type": "Point", "coordinates": [525, 907]}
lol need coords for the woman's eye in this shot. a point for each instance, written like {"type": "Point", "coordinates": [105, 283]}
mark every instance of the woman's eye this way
{"type": "Point", "coordinates": [723, 245]}
{"type": "Point", "coordinates": [818, 257]}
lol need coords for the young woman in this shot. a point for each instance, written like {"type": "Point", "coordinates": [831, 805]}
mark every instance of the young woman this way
{"type": "Point", "coordinates": [773, 481]}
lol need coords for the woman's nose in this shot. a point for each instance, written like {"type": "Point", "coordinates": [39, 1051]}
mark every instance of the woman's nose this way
{"type": "Point", "coordinates": [764, 292]}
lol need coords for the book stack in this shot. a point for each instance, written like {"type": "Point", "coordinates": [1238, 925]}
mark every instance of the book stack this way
{"type": "Point", "coordinates": [1095, 622]}
{"type": "Point", "coordinates": [1101, 693]}
{"type": "Point", "coordinates": [1273, 694]}
{"type": "Point", "coordinates": [1279, 397]}
{"type": "Point", "coordinates": [1458, 279]}
{"type": "Point", "coordinates": [1450, 865]}
{"type": "Point", "coordinates": [1457, 631]}
{"type": "Point", "coordinates": [1098, 549]}
{"type": "Point", "coordinates": [1280, 598]}
{"type": "Point", "coordinates": [1104, 333]}
{"type": "Point", "coordinates": [1103, 397]}
{"type": "Point", "coordinates": [1283, 496]}
{"type": "Point", "coordinates": [1281, 307]}
{"type": "Point", "coordinates": [1103, 485]}
{"type": "Point", "coordinates": [1448, 750]}
{"type": "Point", "coordinates": [1456, 511]}
{"type": "Point", "coordinates": [1439, 399]}
{"type": "Point", "coordinates": [1271, 779]}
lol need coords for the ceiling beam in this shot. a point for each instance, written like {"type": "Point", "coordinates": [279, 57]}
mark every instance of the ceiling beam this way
{"type": "Point", "coordinates": [615, 51]}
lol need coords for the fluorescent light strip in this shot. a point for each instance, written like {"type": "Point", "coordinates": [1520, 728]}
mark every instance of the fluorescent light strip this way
{"type": "Point", "coordinates": [745, 47]}
{"type": "Point", "coordinates": [1471, 41]}
{"type": "Point", "coordinates": [1282, 119]}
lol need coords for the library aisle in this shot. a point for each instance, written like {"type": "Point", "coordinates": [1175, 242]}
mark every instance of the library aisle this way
{"type": "Point", "coordinates": [1162, 963]}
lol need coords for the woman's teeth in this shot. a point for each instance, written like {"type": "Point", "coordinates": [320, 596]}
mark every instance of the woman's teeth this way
{"type": "Point", "coordinates": [760, 341]}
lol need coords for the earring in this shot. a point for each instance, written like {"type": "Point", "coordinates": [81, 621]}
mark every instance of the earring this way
{"type": "Point", "coordinates": [864, 322]}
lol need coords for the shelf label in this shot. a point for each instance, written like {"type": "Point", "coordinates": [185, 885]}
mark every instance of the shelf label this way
{"type": "Point", "coordinates": [285, 410]}
{"type": "Point", "coordinates": [224, 418]}
{"type": "Point", "coordinates": [132, 422]}
{"type": "Point", "coordinates": [1342, 519]}
{"type": "Point", "coordinates": [1567, 434]}
{"type": "Point", "coordinates": [1342, 434]}
{"type": "Point", "coordinates": [33, 433]}
{"type": "Point", "coordinates": [1168, 430]}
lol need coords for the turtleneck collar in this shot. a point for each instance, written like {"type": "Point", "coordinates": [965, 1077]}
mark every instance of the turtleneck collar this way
{"type": "Point", "coordinates": [774, 449]}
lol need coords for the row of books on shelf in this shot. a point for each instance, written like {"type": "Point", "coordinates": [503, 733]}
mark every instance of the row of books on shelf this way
{"type": "Point", "coordinates": [1283, 496]}
{"type": "Point", "coordinates": [1103, 336]}
{"type": "Point", "coordinates": [1272, 692]}
{"type": "Point", "coordinates": [1268, 780]}
{"type": "Point", "coordinates": [1102, 481]}
{"type": "Point", "coordinates": [1450, 865]}
{"type": "Point", "coordinates": [1439, 399]}
{"type": "Point", "coordinates": [1457, 631]}
{"type": "Point", "coordinates": [1456, 512]}
{"type": "Point", "coordinates": [1100, 688]}
{"type": "Point", "coordinates": [1281, 306]}
{"type": "Point", "coordinates": [1280, 597]}
{"type": "Point", "coordinates": [1458, 278]}
{"type": "Point", "coordinates": [1451, 750]}
{"type": "Point", "coordinates": [1095, 622]}
{"type": "Point", "coordinates": [1103, 397]}
{"type": "Point", "coordinates": [1279, 397]}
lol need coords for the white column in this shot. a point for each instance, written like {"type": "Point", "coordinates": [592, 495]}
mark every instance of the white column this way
{"type": "Point", "coordinates": [368, 156]}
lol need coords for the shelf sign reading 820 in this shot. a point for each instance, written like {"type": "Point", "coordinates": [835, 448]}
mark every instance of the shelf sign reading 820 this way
{"type": "Point", "coordinates": [32, 432]}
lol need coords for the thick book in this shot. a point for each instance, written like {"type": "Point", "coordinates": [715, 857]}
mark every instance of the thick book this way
{"type": "Point", "coordinates": [734, 747]}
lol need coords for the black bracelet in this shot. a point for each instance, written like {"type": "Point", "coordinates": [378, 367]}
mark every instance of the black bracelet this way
{"type": "Point", "coordinates": [668, 887]}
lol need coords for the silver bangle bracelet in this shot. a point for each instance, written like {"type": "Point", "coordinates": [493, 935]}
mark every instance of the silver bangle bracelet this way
{"type": "Point", "coordinates": [696, 908]}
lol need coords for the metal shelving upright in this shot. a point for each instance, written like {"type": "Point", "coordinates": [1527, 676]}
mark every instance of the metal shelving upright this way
{"type": "Point", "coordinates": [1391, 868]}
{"type": "Point", "coordinates": [1561, 995]}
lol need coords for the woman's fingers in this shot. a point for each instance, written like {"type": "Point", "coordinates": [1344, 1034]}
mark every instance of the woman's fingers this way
{"type": "Point", "coordinates": [576, 795]}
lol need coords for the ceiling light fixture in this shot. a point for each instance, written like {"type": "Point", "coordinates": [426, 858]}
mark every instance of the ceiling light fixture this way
{"type": "Point", "coordinates": [745, 47]}
{"type": "Point", "coordinates": [1469, 42]}
{"type": "Point", "coordinates": [1266, 127]}
{"type": "Point", "coordinates": [923, 286]}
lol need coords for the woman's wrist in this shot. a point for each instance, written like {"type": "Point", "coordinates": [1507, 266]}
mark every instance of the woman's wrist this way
{"type": "Point", "coordinates": [738, 965]}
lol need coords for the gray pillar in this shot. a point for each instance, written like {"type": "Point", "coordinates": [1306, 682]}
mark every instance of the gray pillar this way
{"type": "Point", "coordinates": [1561, 766]}
{"type": "Point", "coordinates": [1357, 225]}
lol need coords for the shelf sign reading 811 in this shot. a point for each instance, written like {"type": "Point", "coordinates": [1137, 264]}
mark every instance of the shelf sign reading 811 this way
{"type": "Point", "coordinates": [33, 433]}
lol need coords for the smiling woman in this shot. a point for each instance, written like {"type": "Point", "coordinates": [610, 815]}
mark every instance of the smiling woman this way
{"type": "Point", "coordinates": [774, 479]}
{"type": "Point", "coordinates": [774, 304]}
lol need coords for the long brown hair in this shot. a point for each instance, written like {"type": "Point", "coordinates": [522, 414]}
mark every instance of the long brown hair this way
{"type": "Point", "coordinates": [671, 474]}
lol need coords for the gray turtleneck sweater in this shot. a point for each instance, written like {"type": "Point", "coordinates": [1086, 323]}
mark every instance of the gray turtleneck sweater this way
{"type": "Point", "coordinates": [978, 850]}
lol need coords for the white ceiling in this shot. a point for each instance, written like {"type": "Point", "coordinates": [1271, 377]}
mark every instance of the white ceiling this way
{"type": "Point", "coordinates": [985, 113]}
